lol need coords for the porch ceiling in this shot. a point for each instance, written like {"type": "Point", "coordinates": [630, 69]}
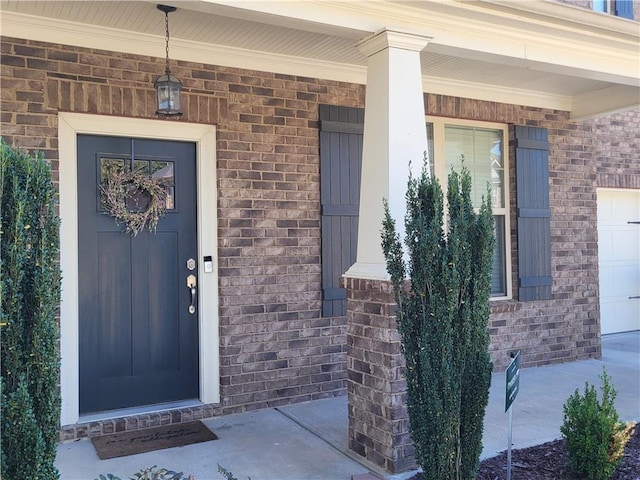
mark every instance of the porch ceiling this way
{"type": "Point", "coordinates": [538, 53]}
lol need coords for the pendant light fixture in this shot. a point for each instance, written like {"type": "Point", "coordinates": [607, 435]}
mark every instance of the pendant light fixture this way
{"type": "Point", "coordinates": [167, 86]}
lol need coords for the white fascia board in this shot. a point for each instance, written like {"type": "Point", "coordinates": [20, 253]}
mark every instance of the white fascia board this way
{"type": "Point", "coordinates": [372, 15]}
{"type": "Point", "coordinates": [68, 33]}
{"type": "Point", "coordinates": [496, 93]}
{"type": "Point", "coordinates": [573, 16]}
{"type": "Point", "coordinates": [477, 38]}
{"type": "Point", "coordinates": [617, 98]}
{"type": "Point", "coordinates": [89, 36]}
{"type": "Point", "coordinates": [588, 64]}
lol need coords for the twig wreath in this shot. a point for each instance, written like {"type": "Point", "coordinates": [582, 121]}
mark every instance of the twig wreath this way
{"type": "Point", "coordinates": [119, 186]}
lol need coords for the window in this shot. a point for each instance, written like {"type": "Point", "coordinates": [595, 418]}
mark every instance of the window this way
{"type": "Point", "coordinates": [159, 170]}
{"type": "Point", "coordinates": [602, 5]}
{"type": "Point", "coordinates": [483, 146]}
{"type": "Point", "coordinates": [619, 8]}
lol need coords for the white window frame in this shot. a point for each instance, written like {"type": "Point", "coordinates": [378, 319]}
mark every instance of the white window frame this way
{"type": "Point", "coordinates": [441, 173]}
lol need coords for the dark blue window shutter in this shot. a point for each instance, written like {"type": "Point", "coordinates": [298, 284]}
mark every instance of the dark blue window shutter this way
{"type": "Point", "coordinates": [624, 8]}
{"type": "Point", "coordinates": [534, 214]}
{"type": "Point", "coordinates": [341, 130]}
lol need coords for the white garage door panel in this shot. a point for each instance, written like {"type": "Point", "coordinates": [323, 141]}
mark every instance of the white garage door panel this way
{"type": "Point", "coordinates": [618, 281]}
{"type": "Point", "coordinates": [619, 259]}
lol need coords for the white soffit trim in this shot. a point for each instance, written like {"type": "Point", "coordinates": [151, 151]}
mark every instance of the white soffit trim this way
{"type": "Point", "coordinates": [548, 32]}
{"type": "Point", "coordinates": [110, 39]}
{"type": "Point", "coordinates": [499, 94]}
{"type": "Point", "coordinates": [384, 39]}
{"type": "Point", "coordinates": [366, 16]}
{"type": "Point", "coordinates": [613, 99]}
{"type": "Point", "coordinates": [574, 16]}
{"type": "Point", "coordinates": [90, 36]}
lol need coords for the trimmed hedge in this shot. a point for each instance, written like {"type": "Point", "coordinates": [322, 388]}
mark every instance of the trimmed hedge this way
{"type": "Point", "coordinates": [29, 334]}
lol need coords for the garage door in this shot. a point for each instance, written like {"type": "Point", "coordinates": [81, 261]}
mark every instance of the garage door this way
{"type": "Point", "coordinates": [619, 259]}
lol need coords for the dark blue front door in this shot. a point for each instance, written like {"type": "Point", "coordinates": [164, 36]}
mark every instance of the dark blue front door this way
{"type": "Point", "coordinates": [138, 338]}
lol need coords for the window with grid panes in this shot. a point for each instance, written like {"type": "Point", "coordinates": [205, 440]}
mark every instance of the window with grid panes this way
{"type": "Point", "coordinates": [484, 147]}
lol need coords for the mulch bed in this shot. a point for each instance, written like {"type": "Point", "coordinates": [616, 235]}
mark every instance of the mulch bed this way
{"type": "Point", "coordinates": [549, 461]}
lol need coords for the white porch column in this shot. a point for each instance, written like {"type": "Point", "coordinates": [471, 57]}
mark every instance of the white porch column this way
{"type": "Point", "coordinates": [394, 135]}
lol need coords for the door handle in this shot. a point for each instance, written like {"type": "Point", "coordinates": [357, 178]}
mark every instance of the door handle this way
{"type": "Point", "coordinates": [191, 285]}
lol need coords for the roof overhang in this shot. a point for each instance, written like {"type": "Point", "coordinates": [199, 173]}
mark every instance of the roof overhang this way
{"type": "Point", "coordinates": [537, 53]}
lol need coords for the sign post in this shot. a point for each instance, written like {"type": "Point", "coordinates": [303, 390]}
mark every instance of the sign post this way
{"type": "Point", "coordinates": [512, 387]}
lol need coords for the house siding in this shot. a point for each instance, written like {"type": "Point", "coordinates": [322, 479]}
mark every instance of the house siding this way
{"type": "Point", "coordinates": [275, 347]}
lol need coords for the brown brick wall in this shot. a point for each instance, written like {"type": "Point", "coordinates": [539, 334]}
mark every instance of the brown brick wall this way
{"type": "Point", "coordinates": [562, 329]}
{"type": "Point", "coordinates": [617, 149]}
{"type": "Point", "coordinates": [275, 347]}
{"type": "Point", "coordinates": [567, 327]}
{"type": "Point", "coordinates": [378, 418]}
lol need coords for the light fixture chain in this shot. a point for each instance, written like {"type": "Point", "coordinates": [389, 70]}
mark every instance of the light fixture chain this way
{"type": "Point", "coordinates": [166, 26]}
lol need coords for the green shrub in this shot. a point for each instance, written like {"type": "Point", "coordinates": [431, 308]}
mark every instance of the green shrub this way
{"type": "Point", "coordinates": [594, 435]}
{"type": "Point", "coordinates": [227, 474]}
{"type": "Point", "coordinates": [23, 450]}
{"type": "Point", "coordinates": [29, 338]}
{"type": "Point", "coordinates": [155, 473]}
{"type": "Point", "coordinates": [151, 473]}
{"type": "Point", "coordinates": [442, 319]}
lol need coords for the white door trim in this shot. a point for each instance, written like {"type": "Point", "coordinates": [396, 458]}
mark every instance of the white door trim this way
{"type": "Point", "coordinates": [204, 136]}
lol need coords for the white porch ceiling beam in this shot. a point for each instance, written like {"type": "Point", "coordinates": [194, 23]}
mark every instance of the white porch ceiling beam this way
{"type": "Point", "coordinates": [547, 36]}
{"type": "Point", "coordinates": [590, 63]}
{"type": "Point", "coordinates": [601, 48]}
{"type": "Point", "coordinates": [614, 99]}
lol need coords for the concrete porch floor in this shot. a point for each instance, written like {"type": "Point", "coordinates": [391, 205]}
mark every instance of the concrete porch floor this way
{"type": "Point", "coordinates": [309, 441]}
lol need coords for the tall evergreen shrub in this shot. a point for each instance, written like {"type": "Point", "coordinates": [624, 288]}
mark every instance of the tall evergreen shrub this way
{"type": "Point", "coordinates": [442, 294]}
{"type": "Point", "coordinates": [29, 353]}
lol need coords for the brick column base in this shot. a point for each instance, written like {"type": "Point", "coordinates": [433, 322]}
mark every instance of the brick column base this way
{"type": "Point", "coordinates": [378, 420]}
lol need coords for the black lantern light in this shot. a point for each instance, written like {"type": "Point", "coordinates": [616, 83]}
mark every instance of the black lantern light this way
{"type": "Point", "coordinates": [167, 86]}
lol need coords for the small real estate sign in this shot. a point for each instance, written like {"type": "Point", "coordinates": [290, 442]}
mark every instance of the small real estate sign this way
{"type": "Point", "coordinates": [512, 387]}
{"type": "Point", "coordinates": [512, 381]}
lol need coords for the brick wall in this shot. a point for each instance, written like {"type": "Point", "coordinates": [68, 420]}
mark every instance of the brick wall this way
{"type": "Point", "coordinates": [275, 346]}
{"type": "Point", "coordinates": [567, 327]}
{"type": "Point", "coordinates": [378, 417]}
{"type": "Point", "coordinates": [617, 149]}
{"type": "Point", "coordinates": [548, 331]}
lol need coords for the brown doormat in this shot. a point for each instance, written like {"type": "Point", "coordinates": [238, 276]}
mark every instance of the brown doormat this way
{"type": "Point", "coordinates": [147, 440]}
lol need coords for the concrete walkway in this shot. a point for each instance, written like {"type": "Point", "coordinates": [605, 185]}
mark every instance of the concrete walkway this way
{"type": "Point", "coordinates": [309, 441]}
